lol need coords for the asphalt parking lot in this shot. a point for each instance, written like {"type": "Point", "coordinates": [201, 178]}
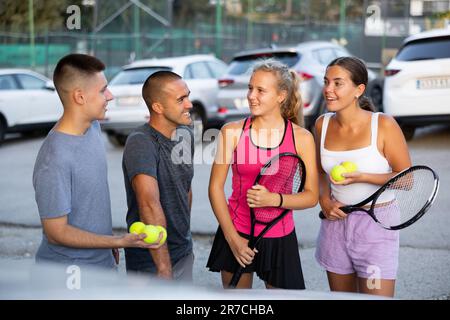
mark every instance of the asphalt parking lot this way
{"type": "Point", "coordinates": [425, 247]}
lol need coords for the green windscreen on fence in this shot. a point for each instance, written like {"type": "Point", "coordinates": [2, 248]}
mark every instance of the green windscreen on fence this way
{"type": "Point", "coordinates": [18, 55]}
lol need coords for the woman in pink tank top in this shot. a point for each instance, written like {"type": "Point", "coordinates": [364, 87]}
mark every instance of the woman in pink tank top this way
{"type": "Point", "coordinates": [358, 255]}
{"type": "Point", "coordinates": [246, 145]}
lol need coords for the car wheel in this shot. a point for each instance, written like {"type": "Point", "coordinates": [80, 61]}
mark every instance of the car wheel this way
{"type": "Point", "coordinates": [408, 131]}
{"type": "Point", "coordinates": [197, 122]}
{"type": "Point", "coordinates": [35, 133]}
{"type": "Point", "coordinates": [311, 125]}
{"type": "Point", "coordinates": [2, 131]}
{"type": "Point", "coordinates": [116, 139]}
{"type": "Point", "coordinates": [376, 95]}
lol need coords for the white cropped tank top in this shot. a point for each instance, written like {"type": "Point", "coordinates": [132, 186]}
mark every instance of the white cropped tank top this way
{"type": "Point", "coordinates": [368, 160]}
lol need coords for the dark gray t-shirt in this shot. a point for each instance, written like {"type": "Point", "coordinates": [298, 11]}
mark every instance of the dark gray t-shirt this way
{"type": "Point", "coordinates": [170, 162]}
{"type": "Point", "coordinates": [70, 178]}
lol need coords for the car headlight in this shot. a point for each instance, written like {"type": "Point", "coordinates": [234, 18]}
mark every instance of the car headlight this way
{"type": "Point", "coordinates": [129, 101]}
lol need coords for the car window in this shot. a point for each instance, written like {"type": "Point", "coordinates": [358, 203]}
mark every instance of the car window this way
{"type": "Point", "coordinates": [7, 82]}
{"type": "Point", "coordinates": [341, 53]}
{"type": "Point", "coordinates": [29, 82]}
{"type": "Point", "coordinates": [216, 68]}
{"type": "Point", "coordinates": [242, 65]}
{"type": "Point", "coordinates": [188, 72]}
{"type": "Point", "coordinates": [425, 49]}
{"type": "Point", "coordinates": [324, 56]}
{"type": "Point", "coordinates": [135, 76]}
{"type": "Point", "coordinates": [198, 70]}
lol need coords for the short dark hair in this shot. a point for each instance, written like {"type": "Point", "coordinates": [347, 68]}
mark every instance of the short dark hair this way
{"type": "Point", "coordinates": [358, 74]}
{"type": "Point", "coordinates": [82, 64]}
{"type": "Point", "coordinates": [151, 90]}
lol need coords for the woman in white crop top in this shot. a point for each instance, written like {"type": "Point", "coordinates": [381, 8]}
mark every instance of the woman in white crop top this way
{"type": "Point", "coordinates": [358, 255]}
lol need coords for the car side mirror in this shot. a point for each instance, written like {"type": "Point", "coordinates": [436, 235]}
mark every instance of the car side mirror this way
{"type": "Point", "coordinates": [49, 86]}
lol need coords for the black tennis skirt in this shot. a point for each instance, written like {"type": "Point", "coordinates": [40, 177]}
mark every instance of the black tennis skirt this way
{"type": "Point", "coordinates": [277, 261]}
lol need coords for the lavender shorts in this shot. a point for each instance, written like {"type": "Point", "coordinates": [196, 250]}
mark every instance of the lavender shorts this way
{"type": "Point", "coordinates": [358, 244]}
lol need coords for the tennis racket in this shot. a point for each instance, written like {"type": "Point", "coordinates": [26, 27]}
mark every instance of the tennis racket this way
{"type": "Point", "coordinates": [406, 196]}
{"type": "Point", "coordinates": [285, 174]}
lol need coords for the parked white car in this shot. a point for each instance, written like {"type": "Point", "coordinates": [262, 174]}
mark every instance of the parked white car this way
{"type": "Point", "coordinates": [128, 109]}
{"type": "Point", "coordinates": [417, 81]}
{"type": "Point", "coordinates": [28, 101]}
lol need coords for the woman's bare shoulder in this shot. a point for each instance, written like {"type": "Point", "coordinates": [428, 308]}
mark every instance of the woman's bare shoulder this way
{"type": "Point", "coordinates": [301, 132]}
{"type": "Point", "coordinates": [233, 125]}
{"type": "Point", "coordinates": [387, 122]}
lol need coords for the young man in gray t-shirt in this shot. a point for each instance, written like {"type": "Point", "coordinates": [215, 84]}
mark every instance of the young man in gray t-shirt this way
{"type": "Point", "coordinates": [158, 171]}
{"type": "Point", "coordinates": [70, 173]}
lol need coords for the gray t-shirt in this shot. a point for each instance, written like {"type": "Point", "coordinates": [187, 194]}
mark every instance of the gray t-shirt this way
{"type": "Point", "coordinates": [170, 162]}
{"type": "Point", "coordinates": [70, 178]}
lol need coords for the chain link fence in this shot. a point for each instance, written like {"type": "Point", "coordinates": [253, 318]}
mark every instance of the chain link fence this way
{"type": "Point", "coordinates": [375, 36]}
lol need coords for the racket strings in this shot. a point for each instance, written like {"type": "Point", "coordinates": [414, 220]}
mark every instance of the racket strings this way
{"type": "Point", "coordinates": [404, 198]}
{"type": "Point", "coordinates": [283, 176]}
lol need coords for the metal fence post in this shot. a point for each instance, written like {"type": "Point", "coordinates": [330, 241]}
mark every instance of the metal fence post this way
{"type": "Point", "coordinates": [31, 24]}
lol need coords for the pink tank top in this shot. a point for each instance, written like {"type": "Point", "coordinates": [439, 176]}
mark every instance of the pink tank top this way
{"type": "Point", "coordinates": [248, 159]}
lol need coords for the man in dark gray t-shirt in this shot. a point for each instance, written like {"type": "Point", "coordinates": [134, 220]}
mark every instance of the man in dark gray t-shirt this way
{"type": "Point", "coordinates": [158, 171]}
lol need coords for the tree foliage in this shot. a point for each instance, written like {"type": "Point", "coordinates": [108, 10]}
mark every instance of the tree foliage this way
{"type": "Point", "coordinates": [47, 15]}
{"type": "Point", "coordinates": [50, 15]}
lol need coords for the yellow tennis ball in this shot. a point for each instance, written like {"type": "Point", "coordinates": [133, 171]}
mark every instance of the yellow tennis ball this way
{"type": "Point", "coordinates": [152, 233]}
{"type": "Point", "coordinates": [337, 171]}
{"type": "Point", "coordinates": [137, 227]}
{"type": "Point", "coordinates": [164, 231]}
{"type": "Point", "coordinates": [349, 166]}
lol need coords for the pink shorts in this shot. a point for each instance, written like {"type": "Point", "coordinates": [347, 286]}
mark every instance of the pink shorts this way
{"type": "Point", "coordinates": [358, 244]}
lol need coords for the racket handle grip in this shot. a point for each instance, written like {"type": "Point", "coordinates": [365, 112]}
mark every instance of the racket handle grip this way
{"type": "Point", "coordinates": [321, 215]}
{"type": "Point", "coordinates": [236, 277]}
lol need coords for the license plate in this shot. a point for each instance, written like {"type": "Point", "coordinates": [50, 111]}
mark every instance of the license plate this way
{"type": "Point", "coordinates": [241, 103]}
{"type": "Point", "coordinates": [433, 83]}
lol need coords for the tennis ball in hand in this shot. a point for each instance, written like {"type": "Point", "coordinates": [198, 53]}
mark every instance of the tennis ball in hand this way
{"type": "Point", "coordinates": [137, 227]}
{"type": "Point", "coordinates": [337, 171]}
{"type": "Point", "coordinates": [164, 231]}
{"type": "Point", "coordinates": [152, 233]}
{"type": "Point", "coordinates": [349, 166]}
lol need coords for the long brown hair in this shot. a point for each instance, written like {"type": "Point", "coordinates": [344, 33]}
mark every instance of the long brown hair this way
{"type": "Point", "coordinates": [358, 75]}
{"type": "Point", "coordinates": [288, 79]}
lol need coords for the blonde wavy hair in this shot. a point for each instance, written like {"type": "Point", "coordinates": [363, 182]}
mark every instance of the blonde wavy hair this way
{"type": "Point", "coordinates": [288, 79]}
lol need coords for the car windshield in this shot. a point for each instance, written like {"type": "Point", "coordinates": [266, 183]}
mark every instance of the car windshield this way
{"type": "Point", "coordinates": [135, 76]}
{"type": "Point", "coordinates": [428, 49]}
{"type": "Point", "coordinates": [242, 65]}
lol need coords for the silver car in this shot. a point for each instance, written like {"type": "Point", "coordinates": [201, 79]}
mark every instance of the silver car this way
{"type": "Point", "coordinates": [309, 59]}
{"type": "Point", "coordinates": [128, 109]}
